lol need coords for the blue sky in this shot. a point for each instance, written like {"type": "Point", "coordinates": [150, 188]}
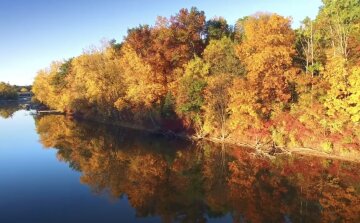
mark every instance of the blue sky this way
{"type": "Point", "coordinates": [35, 32]}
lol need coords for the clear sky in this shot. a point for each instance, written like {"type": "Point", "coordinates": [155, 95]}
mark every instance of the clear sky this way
{"type": "Point", "coordinates": [35, 32]}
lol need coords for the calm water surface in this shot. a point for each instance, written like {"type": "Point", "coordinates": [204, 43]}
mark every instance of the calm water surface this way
{"type": "Point", "coordinates": [53, 169]}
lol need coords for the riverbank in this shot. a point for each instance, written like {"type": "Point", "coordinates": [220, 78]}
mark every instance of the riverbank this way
{"type": "Point", "coordinates": [266, 149]}
{"type": "Point", "coordinates": [270, 151]}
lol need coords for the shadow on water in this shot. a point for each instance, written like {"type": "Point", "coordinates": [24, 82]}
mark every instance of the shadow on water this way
{"type": "Point", "coordinates": [186, 182]}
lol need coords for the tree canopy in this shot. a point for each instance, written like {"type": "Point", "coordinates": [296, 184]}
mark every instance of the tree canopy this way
{"type": "Point", "coordinates": [258, 81]}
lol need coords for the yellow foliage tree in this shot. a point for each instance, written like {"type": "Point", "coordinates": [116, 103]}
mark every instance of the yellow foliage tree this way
{"type": "Point", "coordinates": [354, 97]}
{"type": "Point", "coordinates": [97, 79]}
{"type": "Point", "coordinates": [267, 51]}
{"type": "Point", "coordinates": [46, 91]}
{"type": "Point", "coordinates": [142, 87]}
{"type": "Point", "coordinates": [243, 113]}
{"type": "Point", "coordinates": [344, 95]}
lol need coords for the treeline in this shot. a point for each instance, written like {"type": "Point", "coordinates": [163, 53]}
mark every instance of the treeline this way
{"type": "Point", "coordinates": [10, 92]}
{"type": "Point", "coordinates": [7, 91]}
{"type": "Point", "coordinates": [254, 80]}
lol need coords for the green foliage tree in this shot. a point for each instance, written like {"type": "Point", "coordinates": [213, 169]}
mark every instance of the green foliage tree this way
{"type": "Point", "coordinates": [222, 58]}
{"type": "Point", "coordinates": [190, 93]}
{"type": "Point", "coordinates": [216, 29]}
{"type": "Point", "coordinates": [308, 41]}
{"type": "Point", "coordinates": [340, 20]}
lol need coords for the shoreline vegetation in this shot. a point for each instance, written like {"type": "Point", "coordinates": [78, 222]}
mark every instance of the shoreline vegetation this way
{"type": "Point", "coordinates": [14, 98]}
{"type": "Point", "coordinates": [259, 82]}
{"type": "Point", "coordinates": [267, 151]}
{"type": "Point", "coordinates": [13, 93]}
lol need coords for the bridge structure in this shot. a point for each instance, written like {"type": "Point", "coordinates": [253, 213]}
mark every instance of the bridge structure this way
{"type": "Point", "coordinates": [25, 96]}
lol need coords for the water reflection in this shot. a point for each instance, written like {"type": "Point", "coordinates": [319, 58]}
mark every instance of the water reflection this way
{"type": "Point", "coordinates": [8, 109]}
{"type": "Point", "coordinates": [181, 182]}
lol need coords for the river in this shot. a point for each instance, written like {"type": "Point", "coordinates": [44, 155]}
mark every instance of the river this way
{"type": "Point", "coordinates": [55, 169]}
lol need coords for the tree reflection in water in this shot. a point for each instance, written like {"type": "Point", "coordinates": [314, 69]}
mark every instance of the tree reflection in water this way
{"type": "Point", "coordinates": [8, 109]}
{"type": "Point", "coordinates": [179, 181]}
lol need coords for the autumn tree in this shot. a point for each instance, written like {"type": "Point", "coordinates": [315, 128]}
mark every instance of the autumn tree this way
{"type": "Point", "coordinates": [170, 44]}
{"type": "Point", "coordinates": [224, 65]}
{"type": "Point", "coordinates": [239, 29]}
{"type": "Point", "coordinates": [97, 81]}
{"type": "Point", "coordinates": [221, 56]}
{"type": "Point", "coordinates": [217, 104]}
{"type": "Point", "coordinates": [45, 87]}
{"type": "Point", "coordinates": [342, 99]}
{"type": "Point", "coordinates": [267, 51]}
{"type": "Point", "coordinates": [7, 91]}
{"type": "Point", "coordinates": [242, 105]}
{"type": "Point", "coordinates": [188, 28]}
{"type": "Point", "coordinates": [142, 90]}
{"type": "Point", "coordinates": [353, 100]}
